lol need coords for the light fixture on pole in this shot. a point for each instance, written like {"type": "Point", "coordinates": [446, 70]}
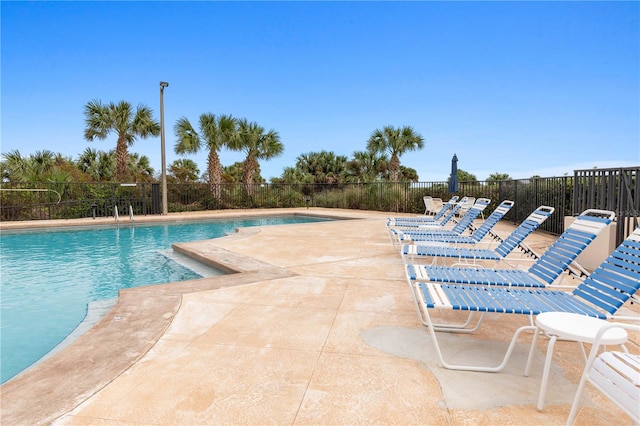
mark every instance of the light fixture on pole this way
{"type": "Point", "coordinates": [165, 204]}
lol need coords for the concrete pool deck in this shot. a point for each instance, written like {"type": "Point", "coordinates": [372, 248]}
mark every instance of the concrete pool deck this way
{"type": "Point", "coordinates": [317, 326]}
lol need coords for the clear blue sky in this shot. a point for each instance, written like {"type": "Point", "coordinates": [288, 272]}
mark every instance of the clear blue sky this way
{"type": "Point", "coordinates": [524, 88]}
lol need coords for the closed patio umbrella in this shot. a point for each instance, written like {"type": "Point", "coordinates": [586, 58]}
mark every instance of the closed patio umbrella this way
{"type": "Point", "coordinates": [453, 180]}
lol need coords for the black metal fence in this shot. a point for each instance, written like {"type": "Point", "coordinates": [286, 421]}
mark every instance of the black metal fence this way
{"type": "Point", "coordinates": [611, 189]}
{"type": "Point", "coordinates": [29, 201]}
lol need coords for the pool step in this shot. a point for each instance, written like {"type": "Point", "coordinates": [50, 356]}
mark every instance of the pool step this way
{"type": "Point", "coordinates": [205, 271]}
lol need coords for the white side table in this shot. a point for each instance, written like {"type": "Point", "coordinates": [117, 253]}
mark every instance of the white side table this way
{"type": "Point", "coordinates": [568, 326]}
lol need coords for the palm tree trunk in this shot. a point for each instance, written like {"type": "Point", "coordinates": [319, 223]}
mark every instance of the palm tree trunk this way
{"type": "Point", "coordinates": [394, 168]}
{"type": "Point", "coordinates": [248, 170]}
{"type": "Point", "coordinates": [215, 175]}
{"type": "Point", "coordinates": [122, 159]}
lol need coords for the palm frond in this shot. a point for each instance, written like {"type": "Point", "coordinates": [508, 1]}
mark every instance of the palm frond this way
{"type": "Point", "coordinates": [144, 125]}
{"type": "Point", "coordinates": [97, 120]}
{"type": "Point", "coordinates": [188, 140]}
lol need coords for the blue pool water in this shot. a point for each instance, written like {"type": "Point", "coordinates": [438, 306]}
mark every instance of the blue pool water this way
{"type": "Point", "coordinates": [48, 278]}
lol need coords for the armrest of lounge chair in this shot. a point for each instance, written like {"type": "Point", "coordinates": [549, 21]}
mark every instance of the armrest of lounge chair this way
{"type": "Point", "coordinates": [615, 374]}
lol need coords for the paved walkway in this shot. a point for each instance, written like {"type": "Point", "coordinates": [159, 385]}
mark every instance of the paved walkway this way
{"type": "Point", "coordinates": [317, 326]}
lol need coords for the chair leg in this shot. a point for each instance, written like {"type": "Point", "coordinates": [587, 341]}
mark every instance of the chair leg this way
{"type": "Point", "coordinates": [545, 372]}
{"type": "Point", "coordinates": [576, 400]}
{"type": "Point", "coordinates": [487, 369]}
{"type": "Point", "coordinates": [527, 368]}
{"type": "Point", "coordinates": [464, 327]}
{"type": "Point", "coordinates": [433, 331]}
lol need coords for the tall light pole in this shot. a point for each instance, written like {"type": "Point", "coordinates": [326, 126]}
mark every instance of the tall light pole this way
{"type": "Point", "coordinates": [165, 204]}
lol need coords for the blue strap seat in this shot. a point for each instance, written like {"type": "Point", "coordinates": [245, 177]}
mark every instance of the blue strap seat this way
{"type": "Point", "coordinates": [601, 295]}
{"type": "Point", "coordinates": [410, 252]}
{"type": "Point", "coordinates": [449, 237]}
{"type": "Point", "coordinates": [544, 271]}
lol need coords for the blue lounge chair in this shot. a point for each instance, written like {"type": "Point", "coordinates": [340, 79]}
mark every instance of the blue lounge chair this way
{"type": "Point", "coordinates": [544, 271]}
{"type": "Point", "coordinates": [406, 236]}
{"type": "Point", "coordinates": [600, 295]}
{"type": "Point", "coordinates": [459, 228]}
{"type": "Point", "coordinates": [465, 204]}
{"type": "Point", "coordinates": [464, 255]}
{"type": "Point", "coordinates": [441, 218]}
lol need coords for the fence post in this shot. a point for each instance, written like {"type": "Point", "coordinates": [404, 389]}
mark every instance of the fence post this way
{"type": "Point", "coordinates": [155, 198]}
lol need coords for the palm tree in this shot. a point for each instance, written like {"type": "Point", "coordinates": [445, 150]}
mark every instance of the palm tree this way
{"type": "Point", "coordinates": [257, 145]}
{"type": "Point", "coordinates": [366, 166]}
{"type": "Point", "coordinates": [293, 175]}
{"type": "Point", "coordinates": [464, 176]}
{"type": "Point", "coordinates": [493, 177]}
{"type": "Point", "coordinates": [41, 163]}
{"type": "Point", "coordinates": [232, 173]}
{"type": "Point", "coordinates": [184, 170]}
{"type": "Point", "coordinates": [43, 166]}
{"type": "Point", "coordinates": [215, 133]}
{"type": "Point", "coordinates": [395, 142]}
{"type": "Point", "coordinates": [119, 118]}
{"type": "Point", "coordinates": [140, 167]}
{"type": "Point", "coordinates": [14, 166]}
{"type": "Point", "coordinates": [99, 165]}
{"type": "Point", "coordinates": [323, 166]}
{"type": "Point", "coordinates": [37, 167]}
{"type": "Point", "coordinates": [408, 174]}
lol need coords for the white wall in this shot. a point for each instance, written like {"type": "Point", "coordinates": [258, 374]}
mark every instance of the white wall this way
{"type": "Point", "coordinates": [599, 249]}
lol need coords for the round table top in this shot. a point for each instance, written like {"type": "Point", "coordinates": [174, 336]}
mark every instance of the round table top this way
{"type": "Point", "coordinates": [578, 327]}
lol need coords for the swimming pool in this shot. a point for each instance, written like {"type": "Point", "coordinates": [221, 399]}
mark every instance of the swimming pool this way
{"type": "Point", "coordinates": [49, 278]}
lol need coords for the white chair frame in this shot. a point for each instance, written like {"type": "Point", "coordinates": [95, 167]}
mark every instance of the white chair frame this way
{"type": "Point", "coordinates": [432, 205]}
{"type": "Point", "coordinates": [620, 383]}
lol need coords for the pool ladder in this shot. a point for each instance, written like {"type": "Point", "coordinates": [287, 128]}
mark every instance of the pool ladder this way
{"type": "Point", "coordinates": [117, 217]}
